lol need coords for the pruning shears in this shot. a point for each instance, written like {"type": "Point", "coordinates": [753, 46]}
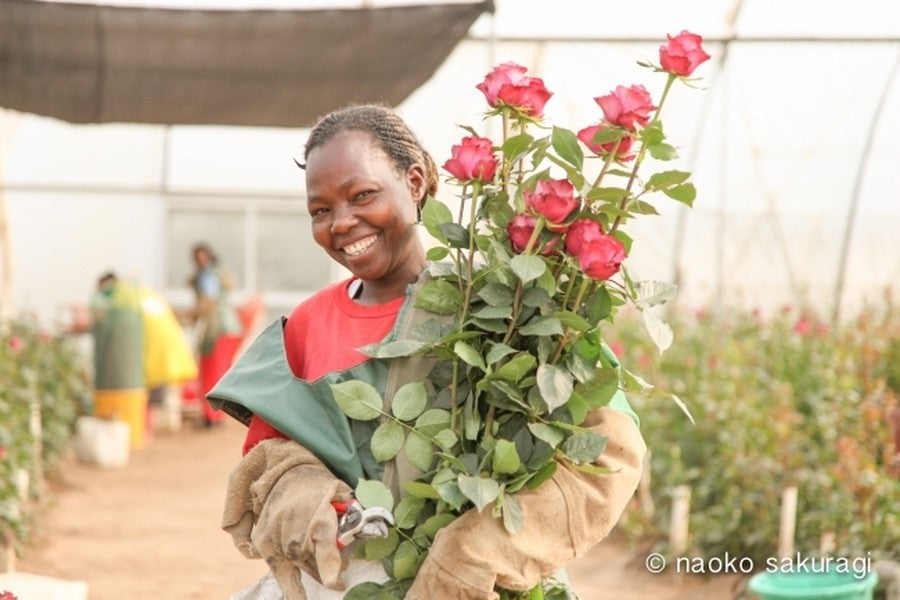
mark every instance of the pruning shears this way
{"type": "Point", "coordinates": [357, 523]}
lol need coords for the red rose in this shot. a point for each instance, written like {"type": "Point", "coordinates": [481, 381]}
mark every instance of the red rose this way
{"type": "Point", "coordinates": [520, 230]}
{"type": "Point", "coordinates": [15, 342]}
{"type": "Point", "coordinates": [587, 135]}
{"type": "Point", "coordinates": [682, 54]}
{"type": "Point", "coordinates": [554, 199]}
{"type": "Point", "coordinates": [472, 159]}
{"type": "Point", "coordinates": [2, 456]}
{"type": "Point", "coordinates": [627, 106]}
{"type": "Point", "coordinates": [581, 232]}
{"type": "Point", "coordinates": [507, 84]}
{"type": "Point", "coordinates": [600, 258]}
{"type": "Point", "coordinates": [508, 72]}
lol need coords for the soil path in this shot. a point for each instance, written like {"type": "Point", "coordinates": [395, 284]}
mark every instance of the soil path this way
{"type": "Point", "coordinates": [151, 531]}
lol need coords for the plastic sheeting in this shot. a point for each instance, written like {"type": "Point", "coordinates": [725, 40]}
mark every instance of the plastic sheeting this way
{"type": "Point", "coordinates": [280, 68]}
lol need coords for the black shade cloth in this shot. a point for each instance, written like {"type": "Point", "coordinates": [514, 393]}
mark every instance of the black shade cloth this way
{"type": "Point", "coordinates": [283, 68]}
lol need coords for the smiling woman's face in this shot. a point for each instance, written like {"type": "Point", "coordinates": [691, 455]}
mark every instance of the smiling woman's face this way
{"type": "Point", "coordinates": [363, 211]}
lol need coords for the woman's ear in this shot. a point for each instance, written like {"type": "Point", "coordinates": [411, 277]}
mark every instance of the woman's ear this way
{"type": "Point", "coordinates": [417, 182]}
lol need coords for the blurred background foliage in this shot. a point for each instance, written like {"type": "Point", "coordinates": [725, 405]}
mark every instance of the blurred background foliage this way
{"type": "Point", "coordinates": [783, 400]}
{"type": "Point", "coordinates": [38, 372]}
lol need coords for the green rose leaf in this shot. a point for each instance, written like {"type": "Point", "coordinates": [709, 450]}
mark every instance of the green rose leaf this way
{"type": "Point", "coordinates": [516, 145]}
{"type": "Point", "coordinates": [598, 305]}
{"type": "Point", "coordinates": [506, 459]}
{"type": "Point", "coordinates": [546, 433]}
{"type": "Point", "coordinates": [405, 559]}
{"type": "Point", "coordinates": [420, 451]}
{"type": "Point", "coordinates": [651, 293]}
{"type": "Point", "coordinates": [659, 331]}
{"type": "Point", "coordinates": [434, 524]}
{"type": "Point", "coordinates": [527, 267]}
{"type": "Point", "coordinates": [409, 401]}
{"type": "Point", "coordinates": [513, 516]}
{"type": "Point", "coordinates": [542, 474]}
{"type": "Point", "coordinates": [600, 389]}
{"type": "Point", "coordinates": [420, 489]}
{"type": "Point", "coordinates": [479, 490]}
{"type": "Point", "coordinates": [685, 193]}
{"type": "Point", "coordinates": [535, 297]}
{"type": "Point", "coordinates": [610, 194]}
{"type": "Point", "coordinates": [496, 294]}
{"type": "Point", "coordinates": [469, 355]}
{"type": "Point", "coordinates": [493, 312]}
{"type": "Point", "coordinates": [543, 326]}
{"type": "Point", "coordinates": [517, 368]}
{"type": "Point", "coordinates": [666, 179]}
{"type": "Point", "coordinates": [387, 440]}
{"type": "Point", "coordinates": [446, 439]}
{"type": "Point", "coordinates": [380, 548]}
{"type": "Point", "coordinates": [456, 235]}
{"type": "Point", "coordinates": [584, 446]}
{"type": "Point", "coordinates": [572, 321]}
{"type": "Point", "coordinates": [555, 385]}
{"type": "Point", "coordinates": [439, 296]}
{"type": "Point", "coordinates": [365, 591]}
{"type": "Point", "coordinates": [407, 512]}
{"type": "Point", "coordinates": [566, 145]}
{"type": "Point", "coordinates": [432, 421]}
{"type": "Point", "coordinates": [437, 253]}
{"type": "Point", "coordinates": [374, 493]}
{"type": "Point", "coordinates": [357, 399]}
{"type": "Point", "coordinates": [435, 214]}
{"type": "Point", "coordinates": [663, 151]}
{"type": "Point", "coordinates": [497, 352]}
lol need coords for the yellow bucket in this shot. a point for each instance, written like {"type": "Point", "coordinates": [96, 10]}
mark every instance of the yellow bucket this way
{"type": "Point", "coordinates": [129, 406]}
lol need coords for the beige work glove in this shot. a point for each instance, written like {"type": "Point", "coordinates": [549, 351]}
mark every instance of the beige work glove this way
{"type": "Point", "coordinates": [278, 507]}
{"type": "Point", "coordinates": [563, 518]}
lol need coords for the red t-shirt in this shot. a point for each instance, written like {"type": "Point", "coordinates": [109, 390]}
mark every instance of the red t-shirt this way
{"type": "Point", "coordinates": [322, 335]}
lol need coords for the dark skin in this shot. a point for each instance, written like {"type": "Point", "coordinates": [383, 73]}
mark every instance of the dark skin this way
{"type": "Point", "coordinates": [363, 209]}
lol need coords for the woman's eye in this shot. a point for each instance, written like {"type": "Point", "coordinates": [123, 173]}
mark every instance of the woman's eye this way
{"type": "Point", "coordinates": [318, 212]}
{"type": "Point", "coordinates": [364, 194]}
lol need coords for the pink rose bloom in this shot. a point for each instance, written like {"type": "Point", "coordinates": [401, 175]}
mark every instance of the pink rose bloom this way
{"type": "Point", "coordinates": [472, 159]}
{"type": "Point", "coordinates": [581, 232]}
{"type": "Point", "coordinates": [520, 230]}
{"type": "Point", "coordinates": [682, 54]}
{"type": "Point", "coordinates": [15, 342]}
{"type": "Point", "coordinates": [507, 84]}
{"type": "Point", "coordinates": [587, 134]}
{"type": "Point", "coordinates": [508, 72]}
{"type": "Point", "coordinates": [554, 199]}
{"type": "Point", "coordinates": [627, 107]}
{"type": "Point", "coordinates": [600, 258]}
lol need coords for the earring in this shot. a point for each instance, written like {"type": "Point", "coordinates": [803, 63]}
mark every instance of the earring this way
{"type": "Point", "coordinates": [419, 211]}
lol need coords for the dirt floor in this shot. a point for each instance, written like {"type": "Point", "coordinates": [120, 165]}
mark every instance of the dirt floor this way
{"type": "Point", "coordinates": [151, 531]}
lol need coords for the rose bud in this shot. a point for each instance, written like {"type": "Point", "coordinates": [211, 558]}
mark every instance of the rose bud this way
{"type": "Point", "coordinates": [627, 107]}
{"type": "Point", "coordinates": [520, 230]}
{"type": "Point", "coordinates": [472, 160]}
{"type": "Point", "coordinates": [554, 199]}
{"type": "Point", "coordinates": [588, 134]}
{"type": "Point", "coordinates": [508, 72]}
{"type": "Point", "coordinates": [581, 232]}
{"type": "Point", "coordinates": [682, 54]}
{"type": "Point", "coordinates": [600, 258]}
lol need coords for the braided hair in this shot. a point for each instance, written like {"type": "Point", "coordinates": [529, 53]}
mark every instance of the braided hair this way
{"type": "Point", "coordinates": [389, 131]}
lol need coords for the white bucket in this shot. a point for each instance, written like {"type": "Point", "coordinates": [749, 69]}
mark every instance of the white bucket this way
{"type": "Point", "coordinates": [102, 442]}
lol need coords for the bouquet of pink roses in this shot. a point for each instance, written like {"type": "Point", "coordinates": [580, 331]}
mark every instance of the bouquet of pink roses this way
{"type": "Point", "coordinates": [525, 275]}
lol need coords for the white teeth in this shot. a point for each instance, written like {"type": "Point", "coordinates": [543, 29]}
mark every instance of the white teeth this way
{"type": "Point", "coordinates": [359, 247]}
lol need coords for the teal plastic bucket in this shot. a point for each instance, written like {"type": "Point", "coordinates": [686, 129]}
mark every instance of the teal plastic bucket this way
{"type": "Point", "coordinates": [813, 586]}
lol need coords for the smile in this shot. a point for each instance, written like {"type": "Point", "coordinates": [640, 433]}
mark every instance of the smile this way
{"type": "Point", "coordinates": [357, 248]}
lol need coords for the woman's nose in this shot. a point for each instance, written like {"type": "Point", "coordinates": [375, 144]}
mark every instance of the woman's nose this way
{"type": "Point", "coordinates": [344, 220]}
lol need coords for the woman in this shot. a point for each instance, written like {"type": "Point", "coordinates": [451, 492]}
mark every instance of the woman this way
{"type": "Point", "coordinates": [219, 329]}
{"type": "Point", "coordinates": [367, 178]}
